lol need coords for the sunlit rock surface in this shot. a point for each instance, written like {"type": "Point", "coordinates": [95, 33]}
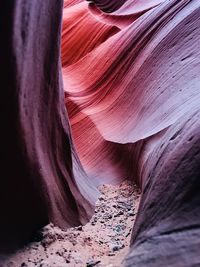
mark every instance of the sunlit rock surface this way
{"type": "Point", "coordinates": [130, 72]}
{"type": "Point", "coordinates": [135, 98]}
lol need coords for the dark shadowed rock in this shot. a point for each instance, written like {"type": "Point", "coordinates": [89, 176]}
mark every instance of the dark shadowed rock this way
{"type": "Point", "coordinates": [37, 183]}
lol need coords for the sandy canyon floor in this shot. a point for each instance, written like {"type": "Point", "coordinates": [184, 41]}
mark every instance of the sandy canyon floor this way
{"type": "Point", "coordinates": [102, 242]}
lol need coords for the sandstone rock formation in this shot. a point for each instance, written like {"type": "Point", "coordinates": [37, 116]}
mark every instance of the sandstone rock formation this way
{"type": "Point", "coordinates": [40, 166]}
{"type": "Point", "coordinates": [138, 95]}
{"type": "Point", "coordinates": [130, 72]}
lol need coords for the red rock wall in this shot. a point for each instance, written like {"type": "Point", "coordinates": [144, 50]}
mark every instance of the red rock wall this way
{"type": "Point", "coordinates": [130, 71]}
{"type": "Point", "coordinates": [133, 103]}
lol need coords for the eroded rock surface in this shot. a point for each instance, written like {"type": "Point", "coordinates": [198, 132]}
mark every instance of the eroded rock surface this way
{"type": "Point", "coordinates": [130, 71]}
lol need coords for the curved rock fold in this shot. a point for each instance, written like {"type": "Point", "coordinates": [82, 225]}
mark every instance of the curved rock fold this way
{"type": "Point", "coordinates": [128, 75]}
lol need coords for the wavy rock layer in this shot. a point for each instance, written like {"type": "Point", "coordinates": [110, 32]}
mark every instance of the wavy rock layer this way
{"type": "Point", "coordinates": [134, 98]}
{"type": "Point", "coordinates": [167, 229]}
{"type": "Point", "coordinates": [131, 80]}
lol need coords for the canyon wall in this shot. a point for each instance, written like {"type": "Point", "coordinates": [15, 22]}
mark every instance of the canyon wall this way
{"type": "Point", "coordinates": [130, 82]}
{"type": "Point", "coordinates": [40, 165]}
{"type": "Point", "coordinates": [135, 99]}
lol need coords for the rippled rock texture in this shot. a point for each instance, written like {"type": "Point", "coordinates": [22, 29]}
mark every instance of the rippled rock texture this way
{"type": "Point", "coordinates": [133, 105]}
{"type": "Point", "coordinates": [130, 72]}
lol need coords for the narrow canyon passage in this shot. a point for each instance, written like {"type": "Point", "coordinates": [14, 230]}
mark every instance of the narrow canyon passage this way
{"type": "Point", "coordinates": [94, 93]}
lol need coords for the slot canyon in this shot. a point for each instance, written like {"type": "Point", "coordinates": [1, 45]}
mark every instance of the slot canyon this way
{"type": "Point", "coordinates": [100, 133]}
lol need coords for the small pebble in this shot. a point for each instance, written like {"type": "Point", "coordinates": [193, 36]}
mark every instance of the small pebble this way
{"type": "Point", "coordinates": [111, 254]}
{"type": "Point", "coordinates": [92, 263]}
{"type": "Point", "coordinates": [131, 213]}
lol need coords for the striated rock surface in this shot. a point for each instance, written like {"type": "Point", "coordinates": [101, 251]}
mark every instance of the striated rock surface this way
{"type": "Point", "coordinates": [136, 98]}
{"type": "Point", "coordinates": [167, 227]}
{"type": "Point", "coordinates": [130, 72]}
{"type": "Point", "coordinates": [40, 166]}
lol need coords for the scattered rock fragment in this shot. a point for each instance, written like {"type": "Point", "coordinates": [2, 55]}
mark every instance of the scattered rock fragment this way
{"type": "Point", "coordinates": [79, 228]}
{"type": "Point", "coordinates": [131, 213]}
{"type": "Point", "coordinates": [116, 247]}
{"type": "Point", "coordinates": [111, 254]}
{"type": "Point", "coordinates": [104, 240]}
{"type": "Point", "coordinates": [92, 263]}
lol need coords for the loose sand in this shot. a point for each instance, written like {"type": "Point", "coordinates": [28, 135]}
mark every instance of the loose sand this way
{"type": "Point", "coordinates": [102, 242]}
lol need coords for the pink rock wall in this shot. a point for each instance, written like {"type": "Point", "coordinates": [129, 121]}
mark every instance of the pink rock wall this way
{"type": "Point", "coordinates": [130, 72]}
{"type": "Point", "coordinates": [133, 103]}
